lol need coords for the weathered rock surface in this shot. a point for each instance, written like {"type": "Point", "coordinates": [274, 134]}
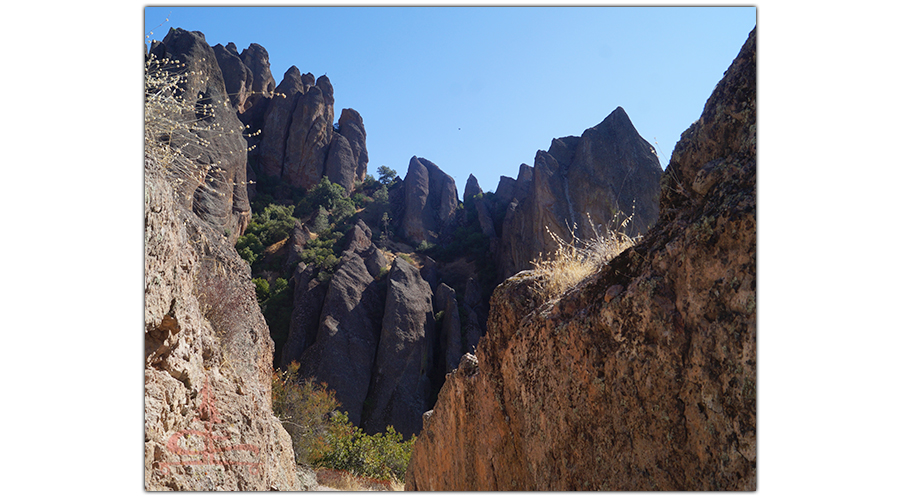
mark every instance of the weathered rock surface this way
{"type": "Point", "coordinates": [237, 76]}
{"type": "Point", "coordinates": [216, 190]}
{"type": "Point", "coordinates": [309, 136]}
{"type": "Point", "coordinates": [340, 165]}
{"type": "Point", "coordinates": [299, 143]}
{"type": "Point", "coordinates": [208, 359]}
{"type": "Point", "coordinates": [472, 188]}
{"type": "Point", "coordinates": [644, 376]}
{"type": "Point", "coordinates": [347, 338]}
{"type": "Point", "coordinates": [577, 183]}
{"type": "Point", "coordinates": [300, 236]}
{"type": "Point", "coordinates": [351, 127]}
{"type": "Point", "coordinates": [400, 383]}
{"type": "Point", "coordinates": [430, 203]}
{"type": "Point", "coordinates": [309, 298]}
{"type": "Point", "coordinates": [277, 122]}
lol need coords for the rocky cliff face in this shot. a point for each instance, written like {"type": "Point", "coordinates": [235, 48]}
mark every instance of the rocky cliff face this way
{"type": "Point", "coordinates": [644, 376]}
{"type": "Point", "coordinates": [208, 359]}
{"type": "Point", "coordinates": [217, 189]}
{"type": "Point", "coordinates": [612, 158]}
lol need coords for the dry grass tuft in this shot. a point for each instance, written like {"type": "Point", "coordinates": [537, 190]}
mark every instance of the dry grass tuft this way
{"type": "Point", "coordinates": [577, 259]}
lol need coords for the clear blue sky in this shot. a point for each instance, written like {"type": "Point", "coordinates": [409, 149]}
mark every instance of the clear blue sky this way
{"type": "Point", "coordinates": [480, 90]}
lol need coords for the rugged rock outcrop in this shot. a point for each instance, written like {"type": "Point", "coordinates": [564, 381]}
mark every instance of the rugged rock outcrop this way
{"type": "Point", "coordinates": [400, 379]}
{"type": "Point", "coordinates": [644, 376]}
{"type": "Point", "coordinates": [430, 203]}
{"type": "Point", "coordinates": [309, 136]}
{"type": "Point", "coordinates": [347, 337]}
{"type": "Point", "coordinates": [309, 298]}
{"type": "Point", "coordinates": [250, 86]}
{"type": "Point", "coordinates": [369, 333]}
{"type": "Point", "coordinates": [619, 166]}
{"type": "Point", "coordinates": [350, 126]}
{"type": "Point", "coordinates": [299, 143]}
{"type": "Point", "coordinates": [277, 121]}
{"type": "Point", "coordinates": [208, 359]}
{"type": "Point", "coordinates": [216, 188]}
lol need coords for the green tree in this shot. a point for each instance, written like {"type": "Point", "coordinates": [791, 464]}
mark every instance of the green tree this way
{"type": "Point", "coordinates": [386, 175]}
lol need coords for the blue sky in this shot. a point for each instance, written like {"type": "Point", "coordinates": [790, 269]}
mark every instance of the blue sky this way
{"type": "Point", "coordinates": [480, 90]}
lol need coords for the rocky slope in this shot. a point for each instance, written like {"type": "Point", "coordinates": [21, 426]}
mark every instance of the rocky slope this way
{"type": "Point", "coordinates": [644, 376]}
{"type": "Point", "coordinates": [207, 359]}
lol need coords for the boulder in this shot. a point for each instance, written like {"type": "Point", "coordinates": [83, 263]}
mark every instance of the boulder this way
{"type": "Point", "coordinates": [644, 376]}
{"type": "Point", "coordinates": [300, 236]}
{"type": "Point", "coordinates": [276, 123]}
{"type": "Point", "coordinates": [308, 139]}
{"type": "Point", "coordinates": [340, 165]}
{"type": "Point", "coordinates": [351, 128]}
{"type": "Point", "coordinates": [253, 110]}
{"type": "Point", "coordinates": [400, 385]}
{"type": "Point", "coordinates": [238, 79]}
{"type": "Point", "coordinates": [472, 189]}
{"type": "Point", "coordinates": [308, 300]}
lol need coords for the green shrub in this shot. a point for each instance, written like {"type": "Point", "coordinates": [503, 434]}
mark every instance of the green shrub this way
{"type": "Point", "coordinates": [262, 289]}
{"type": "Point", "coordinates": [346, 447]}
{"type": "Point", "coordinates": [320, 222]}
{"type": "Point", "coordinates": [386, 175]}
{"type": "Point", "coordinates": [343, 209]}
{"type": "Point", "coordinates": [324, 437]}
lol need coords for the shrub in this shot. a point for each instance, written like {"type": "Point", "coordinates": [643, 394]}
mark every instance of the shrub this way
{"type": "Point", "coordinates": [303, 406]}
{"type": "Point", "coordinates": [346, 447]}
{"type": "Point", "coordinates": [324, 437]}
{"type": "Point", "coordinates": [343, 209]}
{"type": "Point", "coordinates": [262, 289]}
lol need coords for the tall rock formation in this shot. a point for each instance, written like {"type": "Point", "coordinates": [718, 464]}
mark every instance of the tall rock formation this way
{"type": "Point", "coordinates": [216, 188]}
{"type": "Point", "coordinates": [299, 142]}
{"type": "Point", "coordinates": [577, 183]}
{"type": "Point", "coordinates": [250, 86]}
{"type": "Point", "coordinates": [644, 376]}
{"type": "Point", "coordinates": [277, 122]}
{"type": "Point", "coordinates": [346, 343]}
{"type": "Point", "coordinates": [430, 203]}
{"type": "Point", "coordinates": [400, 381]}
{"type": "Point", "coordinates": [309, 136]}
{"type": "Point", "coordinates": [207, 359]}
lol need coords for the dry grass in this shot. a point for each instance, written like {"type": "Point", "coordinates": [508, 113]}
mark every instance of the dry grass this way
{"type": "Point", "coordinates": [577, 259]}
{"type": "Point", "coordinates": [346, 481]}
